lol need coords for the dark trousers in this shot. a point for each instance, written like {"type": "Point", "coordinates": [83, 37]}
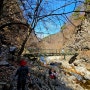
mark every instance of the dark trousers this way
{"type": "Point", "coordinates": [21, 84]}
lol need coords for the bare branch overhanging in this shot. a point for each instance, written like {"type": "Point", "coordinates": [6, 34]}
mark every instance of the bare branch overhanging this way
{"type": "Point", "coordinates": [13, 23]}
{"type": "Point", "coordinates": [37, 17]}
{"type": "Point", "coordinates": [51, 13]}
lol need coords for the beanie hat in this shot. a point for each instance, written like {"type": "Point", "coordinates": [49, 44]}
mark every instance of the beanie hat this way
{"type": "Point", "coordinates": [23, 62]}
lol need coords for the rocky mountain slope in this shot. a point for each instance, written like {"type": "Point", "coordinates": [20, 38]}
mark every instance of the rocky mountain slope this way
{"type": "Point", "coordinates": [52, 42]}
{"type": "Point", "coordinates": [64, 37]}
{"type": "Point", "coordinates": [72, 38]}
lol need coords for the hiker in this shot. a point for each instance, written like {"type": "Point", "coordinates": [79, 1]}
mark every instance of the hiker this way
{"type": "Point", "coordinates": [52, 74]}
{"type": "Point", "coordinates": [22, 73]}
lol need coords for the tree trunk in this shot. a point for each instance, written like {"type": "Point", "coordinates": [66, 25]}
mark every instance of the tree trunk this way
{"type": "Point", "coordinates": [1, 7]}
{"type": "Point", "coordinates": [24, 42]}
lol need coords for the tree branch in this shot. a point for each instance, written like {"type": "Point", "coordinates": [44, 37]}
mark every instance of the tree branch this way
{"type": "Point", "coordinates": [13, 23]}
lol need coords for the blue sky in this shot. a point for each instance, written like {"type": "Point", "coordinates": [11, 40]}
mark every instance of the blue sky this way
{"type": "Point", "coordinates": [51, 25]}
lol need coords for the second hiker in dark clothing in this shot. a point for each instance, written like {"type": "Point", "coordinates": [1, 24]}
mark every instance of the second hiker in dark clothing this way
{"type": "Point", "coordinates": [22, 73]}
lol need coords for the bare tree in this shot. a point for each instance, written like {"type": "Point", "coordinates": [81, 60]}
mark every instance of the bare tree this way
{"type": "Point", "coordinates": [42, 12]}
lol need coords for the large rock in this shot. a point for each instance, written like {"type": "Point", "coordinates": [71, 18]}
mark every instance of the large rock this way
{"type": "Point", "coordinates": [4, 63]}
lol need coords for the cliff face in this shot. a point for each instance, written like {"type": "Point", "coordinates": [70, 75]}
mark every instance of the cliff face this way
{"type": "Point", "coordinates": [13, 33]}
{"type": "Point", "coordinates": [11, 13]}
{"type": "Point", "coordinates": [81, 39]}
